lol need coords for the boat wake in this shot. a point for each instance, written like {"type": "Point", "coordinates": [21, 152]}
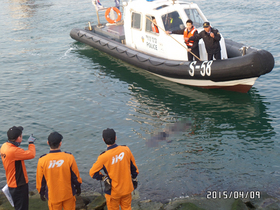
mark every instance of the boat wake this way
{"type": "Point", "coordinates": [66, 53]}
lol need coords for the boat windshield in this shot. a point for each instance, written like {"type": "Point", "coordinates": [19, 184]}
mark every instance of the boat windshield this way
{"type": "Point", "coordinates": [194, 15]}
{"type": "Point", "coordinates": [172, 21]}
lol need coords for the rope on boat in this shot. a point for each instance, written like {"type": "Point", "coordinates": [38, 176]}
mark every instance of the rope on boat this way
{"type": "Point", "coordinates": [172, 38]}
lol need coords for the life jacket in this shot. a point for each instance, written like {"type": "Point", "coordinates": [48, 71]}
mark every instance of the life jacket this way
{"type": "Point", "coordinates": [188, 35]}
{"type": "Point", "coordinates": [155, 28]}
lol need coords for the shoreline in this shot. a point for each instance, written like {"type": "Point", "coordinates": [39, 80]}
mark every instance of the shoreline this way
{"type": "Point", "coordinates": [96, 201]}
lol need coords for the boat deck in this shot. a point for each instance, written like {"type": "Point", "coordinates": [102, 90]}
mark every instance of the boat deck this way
{"type": "Point", "coordinates": [114, 32]}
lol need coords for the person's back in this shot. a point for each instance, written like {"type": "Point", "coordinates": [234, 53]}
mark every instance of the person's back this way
{"type": "Point", "coordinates": [57, 171]}
{"type": "Point", "coordinates": [118, 161]}
{"type": "Point", "coordinates": [58, 177]}
{"type": "Point", "coordinates": [120, 171]}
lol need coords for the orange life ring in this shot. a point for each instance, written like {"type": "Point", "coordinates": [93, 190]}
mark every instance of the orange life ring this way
{"type": "Point", "coordinates": [108, 17]}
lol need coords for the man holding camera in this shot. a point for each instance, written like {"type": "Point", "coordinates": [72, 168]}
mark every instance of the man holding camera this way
{"type": "Point", "coordinates": [13, 161]}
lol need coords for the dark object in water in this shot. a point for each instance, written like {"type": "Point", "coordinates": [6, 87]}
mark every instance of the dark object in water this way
{"type": "Point", "coordinates": [170, 130]}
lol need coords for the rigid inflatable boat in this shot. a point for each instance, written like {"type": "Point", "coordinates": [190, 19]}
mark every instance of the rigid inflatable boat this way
{"type": "Point", "coordinates": [133, 41]}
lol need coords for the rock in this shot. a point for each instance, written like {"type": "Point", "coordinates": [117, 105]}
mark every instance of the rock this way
{"type": "Point", "coordinates": [97, 204]}
{"type": "Point", "coordinates": [4, 203]}
{"type": "Point", "coordinates": [238, 205]}
{"type": "Point", "coordinates": [182, 204]}
{"type": "Point", "coordinates": [135, 205]}
{"type": "Point", "coordinates": [200, 203]}
{"type": "Point", "coordinates": [6, 206]}
{"type": "Point", "coordinates": [34, 195]}
{"type": "Point", "coordinates": [148, 205]}
{"type": "Point", "coordinates": [36, 203]}
{"type": "Point", "coordinates": [87, 200]}
{"type": "Point", "coordinates": [135, 195]}
{"type": "Point", "coordinates": [2, 198]}
{"type": "Point", "coordinates": [31, 193]}
{"type": "Point", "coordinates": [265, 202]}
{"type": "Point", "coordinates": [80, 203]}
{"type": "Point", "coordinates": [189, 206]}
{"type": "Point", "coordinates": [146, 201]}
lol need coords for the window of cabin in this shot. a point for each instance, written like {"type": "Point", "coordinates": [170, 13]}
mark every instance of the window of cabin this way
{"type": "Point", "coordinates": [162, 6]}
{"type": "Point", "coordinates": [150, 27]}
{"type": "Point", "coordinates": [136, 20]}
{"type": "Point", "coordinates": [194, 15]}
{"type": "Point", "coordinates": [172, 21]}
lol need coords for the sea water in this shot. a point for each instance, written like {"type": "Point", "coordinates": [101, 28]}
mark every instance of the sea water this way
{"type": "Point", "coordinates": [50, 82]}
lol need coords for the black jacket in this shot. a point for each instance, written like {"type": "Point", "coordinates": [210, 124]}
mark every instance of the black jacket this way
{"type": "Point", "coordinates": [212, 44]}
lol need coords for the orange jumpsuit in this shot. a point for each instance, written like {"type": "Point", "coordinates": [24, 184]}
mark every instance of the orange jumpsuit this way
{"type": "Point", "coordinates": [13, 161]}
{"type": "Point", "coordinates": [119, 165]}
{"type": "Point", "coordinates": [56, 178]}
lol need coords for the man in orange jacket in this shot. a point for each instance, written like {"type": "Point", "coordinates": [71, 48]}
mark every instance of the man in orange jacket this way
{"type": "Point", "coordinates": [189, 31]}
{"type": "Point", "coordinates": [121, 171]}
{"type": "Point", "coordinates": [58, 177]}
{"type": "Point", "coordinates": [13, 161]}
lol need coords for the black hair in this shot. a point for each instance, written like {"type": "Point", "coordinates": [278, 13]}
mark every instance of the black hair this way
{"type": "Point", "coordinates": [110, 141]}
{"type": "Point", "coordinates": [54, 145]}
{"type": "Point", "coordinates": [14, 132]}
{"type": "Point", "coordinates": [109, 136]}
{"type": "Point", "coordinates": [54, 140]}
{"type": "Point", "coordinates": [189, 21]}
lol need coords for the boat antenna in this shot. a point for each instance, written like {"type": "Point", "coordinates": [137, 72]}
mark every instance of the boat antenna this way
{"type": "Point", "coordinates": [172, 37]}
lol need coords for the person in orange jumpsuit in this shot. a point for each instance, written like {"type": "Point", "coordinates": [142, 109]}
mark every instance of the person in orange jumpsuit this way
{"type": "Point", "coordinates": [154, 25]}
{"type": "Point", "coordinates": [121, 172]}
{"type": "Point", "coordinates": [13, 161]}
{"type": "Point", "coordinates": [58, 177]}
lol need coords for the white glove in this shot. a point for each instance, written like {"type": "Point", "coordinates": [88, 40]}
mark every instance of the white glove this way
{"type": "Point", "coordinates": [31, 139]}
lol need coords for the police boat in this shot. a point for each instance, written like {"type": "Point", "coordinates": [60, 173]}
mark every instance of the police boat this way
{"type": "Point", "coordinates": [130, 36]}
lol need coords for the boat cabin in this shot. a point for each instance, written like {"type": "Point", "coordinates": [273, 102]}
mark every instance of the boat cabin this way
{"type": "Point", "coordinates": [169, 16]}
{"type": "Point", "coordinates": [138, 31]}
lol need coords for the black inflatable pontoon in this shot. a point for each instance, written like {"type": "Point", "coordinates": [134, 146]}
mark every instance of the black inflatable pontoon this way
{"type": "Point", "coordinates": [237, 73]}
